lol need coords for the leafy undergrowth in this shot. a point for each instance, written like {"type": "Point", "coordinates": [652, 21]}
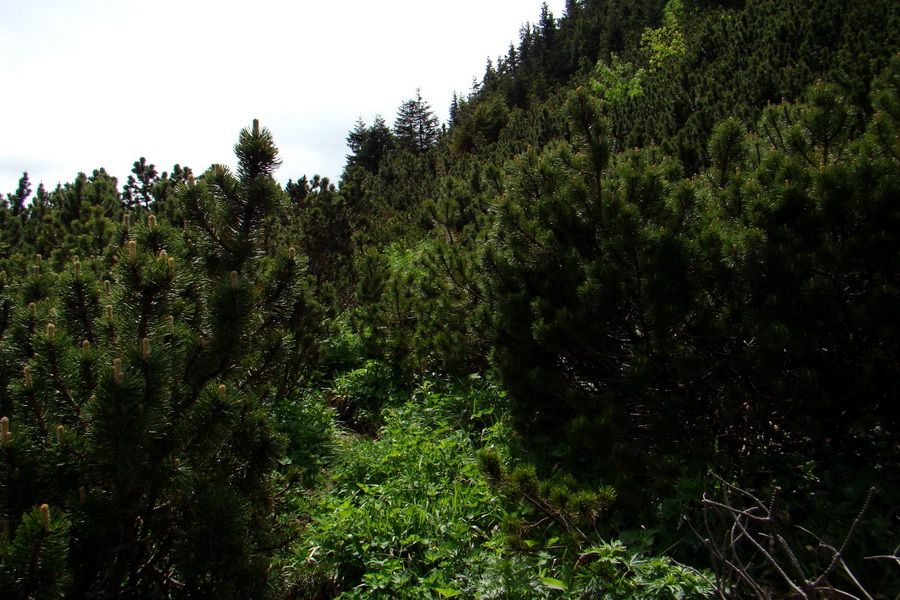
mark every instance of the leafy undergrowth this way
{"type": "Point", "coordinates": [409, 513]}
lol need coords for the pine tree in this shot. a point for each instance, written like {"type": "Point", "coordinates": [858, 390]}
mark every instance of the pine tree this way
{"type": "Point", "coordinates": [590, 286]}
{"type": "Point", "coordinates": [137, 401]}
{"type": "Point", "coordinates": [320, 225]}
{"type": "Point", "coordinates": [740, 304]}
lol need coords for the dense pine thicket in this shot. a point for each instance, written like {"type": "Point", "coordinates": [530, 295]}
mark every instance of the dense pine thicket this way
{"type": "Point", "coordinates": [626, 327]}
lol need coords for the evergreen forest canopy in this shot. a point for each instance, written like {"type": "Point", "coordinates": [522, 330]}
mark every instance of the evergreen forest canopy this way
{"type": "Point", "coordinates": [625, 327]}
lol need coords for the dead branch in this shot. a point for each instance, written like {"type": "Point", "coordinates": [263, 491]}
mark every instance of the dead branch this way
{"type": "Point", "coordinates": [742, 534]}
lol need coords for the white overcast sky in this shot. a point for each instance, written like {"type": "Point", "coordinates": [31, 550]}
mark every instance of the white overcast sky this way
{"type": "Point", "coordinates": [100, 83]}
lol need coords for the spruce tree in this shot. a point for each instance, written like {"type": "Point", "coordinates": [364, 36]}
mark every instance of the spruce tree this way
{"type": "Point", "coordinates": [18, 198]}
{"type": "Point", "coordinates": [369, 145]}
{"type": "Point", "coordinates": [138, 187]}
{"type": "Point", "coordinates": [416, 126]}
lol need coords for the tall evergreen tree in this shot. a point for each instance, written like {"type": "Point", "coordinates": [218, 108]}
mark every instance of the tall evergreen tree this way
{"type": "Point", "coordinates": [416, 126]}
{"type": "Point", "coordinates": [369, 145]}
{"type": "Point", "coordinates": [18, 198]}
{"type": "Point", "coordinates": [138, 188]}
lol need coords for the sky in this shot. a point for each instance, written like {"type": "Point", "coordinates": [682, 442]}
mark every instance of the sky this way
{"type": "Point", "coordinates": [100, 83]}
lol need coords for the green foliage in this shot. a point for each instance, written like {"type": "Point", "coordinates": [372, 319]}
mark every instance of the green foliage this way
{"type": "Point", "coordinates": [227, 212]}
{"type": "Point", "coordinates": [625, 299]}
{"type": "Point", "coordinates": [703, 61]}
{"type": "Point", "coordinates": [688, 262]}
{"type": "Point", "coordinates": [33, 564]}
{"type": "Point", "coordinates": [408, 514]}
{"type": "Point", "coordinates": [369, 145]}
{"type": "Point", "coordinates": [407, 511]}
{"type": "Point", "coordinates": [139, 407]}
{"type": "Point", "coordinates": [479, 124]}
{"type": "Point", "coordinates": [665, 44]}
{"type": "Point", "coordinates": [611, 571]}
{"type": "Point", "coordinates": [309, 427]}
{"type": "Point", "coordinates": [886, 104]}
{"type": "Point", "coordinates": [383, 318]}
{"type": "Point", "coordinates": [17, 199]}
{"type": "Point", "coordinates": [421, 306]}
{"type": "Point", "coordinates": [617, 82]}
{"type": "Point", "coordinates": [362, 394]}
{"type": "Point", "coordinates": [416, 126]}
{"type": "Point", "coordinates": [319, 223]}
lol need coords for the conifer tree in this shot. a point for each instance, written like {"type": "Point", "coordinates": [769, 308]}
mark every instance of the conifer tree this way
{"type": "Point", "coordinates": [138, 187]}
{"type": "Point", "coordinates": [320, 225]}
{"type": "Point", "coordinates": [740, 304]}
{"type": "Point", "coordinates": [416, 126]}
{"type": "Point", "coordinates": [18, 198]}
{"type": "Point", "coordinates": [584, 296]}
{"type": "Point", "coordinates": [137, 444]}
{"type": "Point", "coordinates": [369, 145]}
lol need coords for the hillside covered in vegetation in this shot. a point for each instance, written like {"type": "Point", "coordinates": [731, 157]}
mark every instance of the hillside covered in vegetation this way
{"type": "Point", "coordinates": [626, 326]}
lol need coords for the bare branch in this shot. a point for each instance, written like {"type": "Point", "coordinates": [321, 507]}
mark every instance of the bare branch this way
{"type": "Point", "coordinates": [750, 539]}
{"type": "Point", "coordinates": [840, 553]}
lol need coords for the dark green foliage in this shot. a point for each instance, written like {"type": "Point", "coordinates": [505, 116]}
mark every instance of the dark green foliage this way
{"type": "Point", "coordinates": [625, 300]}
{"type": "Point", "coordinates": [319, 222]}
{"type": "Point", "coordinates": [407, 514]}
{"type": "Point", "coordinates": [35, 564]}
{"type": "Point", "coordinates": [704, 63]}
{"type": "Point", "coordinates": [140, 406]}
{"type": "Point", "coordinates": [415, 128]}
{"type": "Point", "coordinates": [138, 188]}
{"type": "Point", "coordinates": [18, 198]}
{"type": "Point", "coordinates": [553, 50]}
{"type": "Point", "coordinates": [147, 188]}
{"type": "Point", "coordinates": [419, 308]}
{"type": "Point", "coordinates": [384, 319]}
{"type": "Point", "coordinates": [369, 144]}
{"type": "Point", "coordinates": [228, 212]}
{"type": "Point", "coordinates": [74, 220]}
{"type": "Point", "coordinates": [669, 228]}
{"type": "Point", "coordinates": [479, 124]}
{"type": "Point", "coordinates": [581, 306]}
